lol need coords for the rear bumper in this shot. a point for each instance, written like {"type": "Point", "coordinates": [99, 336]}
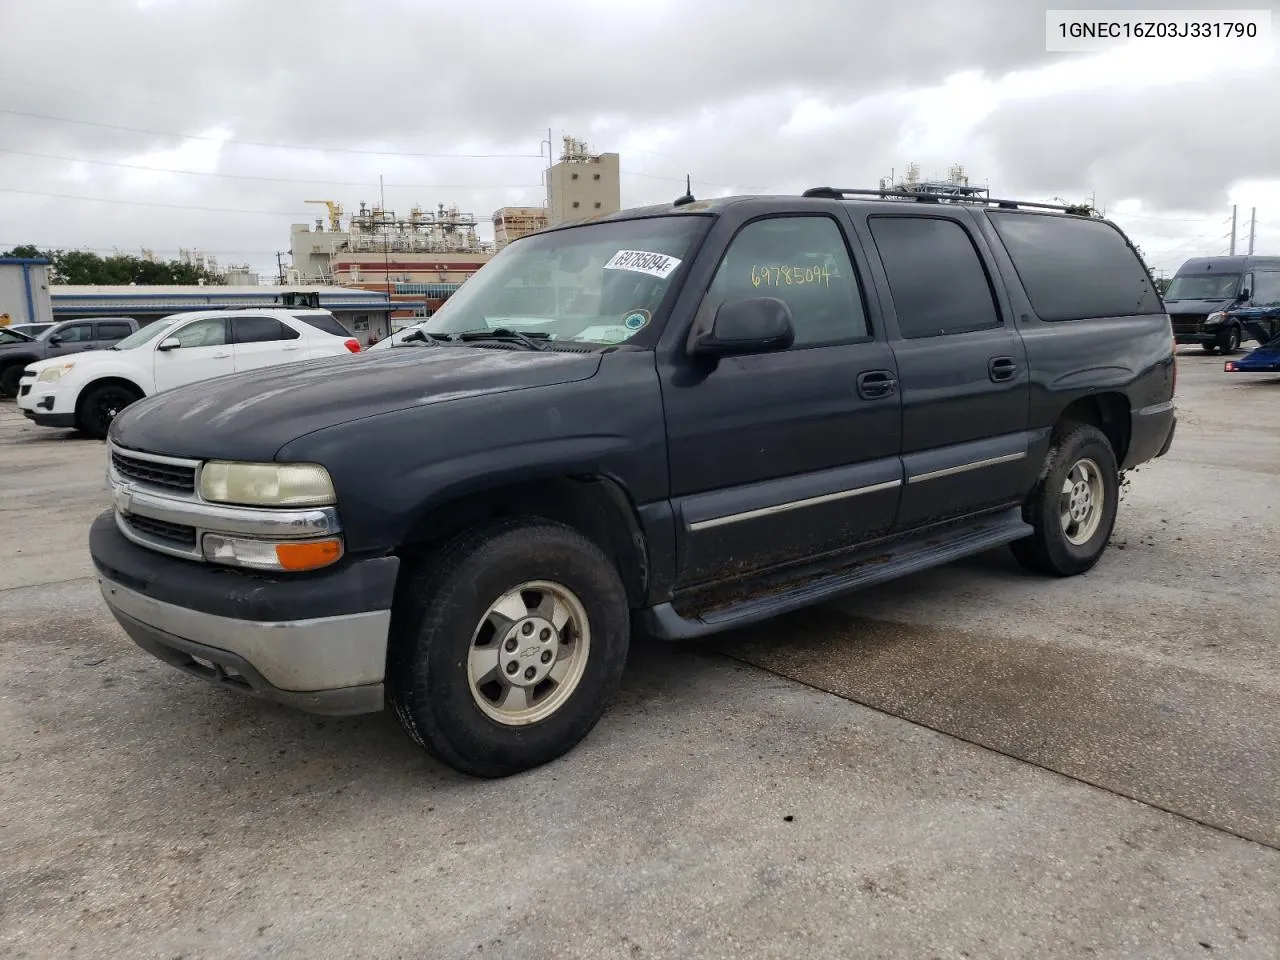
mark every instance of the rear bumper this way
{"type": "Point", "coordinates": [1151, 433]}
{"type": "Point", "coordinates": [317, 643]}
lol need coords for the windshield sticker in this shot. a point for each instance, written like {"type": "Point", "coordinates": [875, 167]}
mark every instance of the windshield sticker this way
{"type": "Point", "coordinates": [639, 261]}
{"type": "Point", "coordinates": [780, 276]}
{"type": "Point", "coordinates": [636, 320]}
{"type": "Point", "coordinates": [610, 333]}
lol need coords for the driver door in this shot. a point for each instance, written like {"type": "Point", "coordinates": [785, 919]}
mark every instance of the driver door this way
{"type": "Point", "coordinates": [203, 351]}
{"type": "Point", "coordinates": [779, 456]}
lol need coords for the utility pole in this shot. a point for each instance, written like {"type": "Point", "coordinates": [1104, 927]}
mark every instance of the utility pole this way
{"type": "Point", "coordinates": [280, 267]}
{"type": "Point", "coordinates": [1233, 230]}
{"type": "Point", "coordinates": [1253, 227]}
{"type": "Point", "coordinates": [386, 250]}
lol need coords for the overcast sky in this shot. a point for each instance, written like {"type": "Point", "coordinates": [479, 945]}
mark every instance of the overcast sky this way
{"type": "Point", "coordinates": [209, 122]}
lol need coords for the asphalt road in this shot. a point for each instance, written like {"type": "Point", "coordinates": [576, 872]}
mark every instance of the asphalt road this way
{"type": "Point", "coordinates": [971, 763]}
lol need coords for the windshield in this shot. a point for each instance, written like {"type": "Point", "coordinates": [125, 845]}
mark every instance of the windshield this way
{"type": "Point", "coordinates": [145, 334]}
{"type": "Point", "coordinates": [13, 336]}
{"type": "Point", "coordinates": [598, 283]}
{"type": "Point", "coordinates": [1216, 286]}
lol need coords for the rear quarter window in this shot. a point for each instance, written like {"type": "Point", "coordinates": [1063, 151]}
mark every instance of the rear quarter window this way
{"type": "Point", "coordinates": [324, 321]}
{"type": "Point", "coordinates": [1073, 268]}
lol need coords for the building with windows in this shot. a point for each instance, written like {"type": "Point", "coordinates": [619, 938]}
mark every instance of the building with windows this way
{"type": "Point", "coordinates": [583, 184]}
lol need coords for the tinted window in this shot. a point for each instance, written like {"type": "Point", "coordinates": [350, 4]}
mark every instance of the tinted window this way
{"type": "Point", "coordinates": [75, 333]}
{"type": "Point", "coordinates": [203, 333]}
{"type": "Point", "coordinates": [936, 277]}
{"type": "Point", "coordinates": [325, 322]}
{"type": "Point", "coordinates": [261, 330]}
{"type": "Point", "coordinates": [1074, 268]}
{"type": "Point", "coordinates": [1215, 286]}
{"type": "Point", "coordinates": [113, 331]}
{"type": "Point", "coordinates": [802, 261]}
{"type": "Point", "coordinates": [1266, 288]}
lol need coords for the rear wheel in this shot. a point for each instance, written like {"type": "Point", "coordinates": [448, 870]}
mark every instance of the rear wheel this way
{"type": "Point", "coordinates": [1073, 507]}
{"type": "Point", "coordinates": [506, 646]}
{"type": "Point", "coordinates": [100, 405]}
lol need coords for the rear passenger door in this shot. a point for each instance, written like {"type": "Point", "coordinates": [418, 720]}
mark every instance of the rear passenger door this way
{"type": "Point", "coordinates": [110, 332]}
{"type": "Point", "coordinates": [962, 367]}
{"type": "Point", "coordinates": [779, 456]}
{"type": "Point", "coordinates": [264, 342]}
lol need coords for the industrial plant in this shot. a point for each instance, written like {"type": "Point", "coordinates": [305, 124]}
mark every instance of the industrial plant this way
{"type": "Point", "coordinates": [419, 260]}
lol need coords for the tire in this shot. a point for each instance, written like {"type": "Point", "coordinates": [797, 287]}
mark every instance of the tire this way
{"type": "Point", "coordinates": [436, 677]}
{"type": "Point", "coordinates": [1050, 549]}
{"type": "Point", "coordinates": [10, 379]}
{"type": "Point", "coordinates": [99, 405]}
{"type": "Point", "coordinates": [1229, 341]}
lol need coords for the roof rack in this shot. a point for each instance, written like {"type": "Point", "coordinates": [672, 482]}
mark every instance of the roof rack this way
{"type": "Point", "coordinates": [839, 193]}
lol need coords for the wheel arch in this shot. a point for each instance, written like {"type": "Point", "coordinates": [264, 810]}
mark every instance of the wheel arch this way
{"type": "Point", "coordinates": [597, 506]}
{"type": "Point", "coordinates": [1110, 412]}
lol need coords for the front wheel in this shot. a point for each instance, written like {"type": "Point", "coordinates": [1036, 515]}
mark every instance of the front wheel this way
{"type": "Point", "coordinates": [11, 380]}
{"type": "Point", "coordinates": [99, 407]}
{"type": "Point", "coordinates": [506, 646]}
{"type": "Point", "coordinates": [1073, 507]}
{"type": "Point", "coordinates": [1229, 340]}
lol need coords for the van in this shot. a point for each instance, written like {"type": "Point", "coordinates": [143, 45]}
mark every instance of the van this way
{"type": "Point", "coordinates": [1205, 286]}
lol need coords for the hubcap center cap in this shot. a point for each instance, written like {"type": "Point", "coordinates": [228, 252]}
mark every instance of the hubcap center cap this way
{"type": "Point", "coordinates": [528, 651]}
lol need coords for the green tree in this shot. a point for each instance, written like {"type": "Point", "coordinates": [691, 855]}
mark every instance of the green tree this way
{"type": "Point", "coordinates": [83, 267]}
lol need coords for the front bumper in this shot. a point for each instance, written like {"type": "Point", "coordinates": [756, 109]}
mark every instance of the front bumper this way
{"type": "Point", "coordinates": [314, 642]}
{"type": "Point", "coordinates": [39, 403]}
{"type": "Point", "coordinates": [1198, 337]}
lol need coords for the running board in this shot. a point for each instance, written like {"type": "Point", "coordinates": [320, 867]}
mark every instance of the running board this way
{"type": "Point", "coordinates": [767, 597]}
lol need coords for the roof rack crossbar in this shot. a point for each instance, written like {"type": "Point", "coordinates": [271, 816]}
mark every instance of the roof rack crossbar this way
{"type": "Point", "coordinates": [840, 193]}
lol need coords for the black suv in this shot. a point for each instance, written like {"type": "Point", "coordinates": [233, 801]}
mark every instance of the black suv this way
{"type": "Point", "coordinates": [674, 419]}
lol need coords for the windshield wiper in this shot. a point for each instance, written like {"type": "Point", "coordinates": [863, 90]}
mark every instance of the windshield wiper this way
{"type": "Point", "coordinates": [530, 340]}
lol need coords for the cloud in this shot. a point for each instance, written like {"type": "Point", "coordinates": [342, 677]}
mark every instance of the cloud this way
{"type": "Point", "coordinates": [744, 98]}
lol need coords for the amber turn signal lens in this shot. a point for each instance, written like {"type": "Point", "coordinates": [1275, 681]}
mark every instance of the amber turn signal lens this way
{"type": "Point", "coordinates": [308, 556]}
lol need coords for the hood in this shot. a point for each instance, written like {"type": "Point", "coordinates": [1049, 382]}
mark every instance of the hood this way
{"type": "Point", "coordinates": [23, 346]}
{"type": "Point", "coordinates": [1198, 307]}
{"type": "Point", "coordinates": [250, 416]}
{"type": "Point", "coordinates": [84, 358]}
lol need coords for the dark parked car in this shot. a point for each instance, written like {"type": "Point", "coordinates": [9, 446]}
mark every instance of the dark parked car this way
{"type": "Point", "coordinates": [676, 419]}
{"type": "Point", "coordinates": [57, 340]}
{"type": "Point", "coordinates": [1205, 290]}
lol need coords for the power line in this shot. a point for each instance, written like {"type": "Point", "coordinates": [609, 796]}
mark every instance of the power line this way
{"type": "Point", "coordinates": [240, 176]}
{"type": "Point", "coordinates": [274, 146]}
{"type": "Point", "coordinates": [148, 203]}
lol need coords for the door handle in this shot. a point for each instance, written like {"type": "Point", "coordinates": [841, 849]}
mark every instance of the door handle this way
{"type": "Point", "coordinates": [1002, 368]}
{"type": "Point", "coordinates": [221, 356]}
{"type": "Point", "coordinates": [873, 384]}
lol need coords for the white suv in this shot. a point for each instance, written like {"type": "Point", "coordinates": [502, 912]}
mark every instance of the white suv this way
{"type": "Point", "coordinates": [86, 391]}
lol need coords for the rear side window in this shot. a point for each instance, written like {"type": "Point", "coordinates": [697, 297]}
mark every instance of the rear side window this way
{"type": "Point", "coordinates": [1073, 268]}
{"type": "Point", "coordinates": [261, 330]}
{"type": "Point", "coordinates": [937, 280]}
{"type": "Point", "coordinates": [113, 331]}
{"type": "Point", "coordinates": [324, 321]}
{"type": "Point", "coordinates": [1266, 289]}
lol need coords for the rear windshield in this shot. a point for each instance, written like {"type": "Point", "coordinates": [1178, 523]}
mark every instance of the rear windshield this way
{"type": "Point", "coordinates": [323, 321]}
{"type": "Point", "coordinates": [1073, 268]}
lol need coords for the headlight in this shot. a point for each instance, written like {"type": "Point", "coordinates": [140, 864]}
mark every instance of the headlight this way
{"type": "Point", "coordinates": [267, 484]}
{"type": "Point", "coordinates": [54, 373]}
{"type": "Point", "coordinates": [1213, 319]}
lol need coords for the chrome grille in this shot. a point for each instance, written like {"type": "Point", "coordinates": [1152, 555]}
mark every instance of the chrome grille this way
{"type": "Point", "coordinates": [1186, 322]}
{"type": "Point", "coordinates": [155, 473]}
{"type": "Point", "coordinates": [176, 533]}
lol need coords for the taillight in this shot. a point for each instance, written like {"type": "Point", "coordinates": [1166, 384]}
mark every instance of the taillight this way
{"type": "Point", "coordinates": [353, 345]}
{"type": "Point", "coordinates": [1174, 362]}
{"type": "Point", "coordinates": [1229, 366]}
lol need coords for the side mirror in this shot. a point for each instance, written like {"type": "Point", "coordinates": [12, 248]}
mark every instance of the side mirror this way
{"type": "Point", "coordinates": [1243, 297]}
{"type": "Point", "coordinates": [169, 343]}
{"type": "Point", "coordinates": [54, 340]}
{"type": "Point", "coordinates": [745, 326]}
